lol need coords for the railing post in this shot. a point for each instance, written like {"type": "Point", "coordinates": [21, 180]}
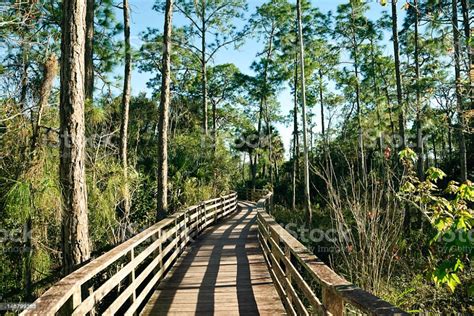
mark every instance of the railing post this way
{"type": "Point", "coordinates": [223, 205]}
{"type": "Point", "coordinates": [176, 233]}
{"type": "Point", "coordinates": [198, 220]}
{"type": "Point", "coordinates": [160, 250]}
{"type": "Point", "coordinates": [271, 204]}
{"type": "Point", "coordinates": [201, 215]}
{"type": "Point", "coordinates": [287, 270]}
{"type": "Point", "coordinates": [332, 302]}
{"type": "Point", "coordinates": [217, 210]}
{"type": "Point", "coordinates": [132, 276]}
{"type": "Point", "coordinates": [186, 225]}
{"type": "Point", "coordinates": [76, 298]}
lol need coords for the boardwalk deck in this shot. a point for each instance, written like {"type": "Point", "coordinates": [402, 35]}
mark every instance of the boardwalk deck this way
{"type": "Point", "coordinates": [222, 272]}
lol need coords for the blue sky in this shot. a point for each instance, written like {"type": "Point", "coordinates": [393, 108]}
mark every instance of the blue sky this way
{"type": "Point", "coordinates": [143, 16]}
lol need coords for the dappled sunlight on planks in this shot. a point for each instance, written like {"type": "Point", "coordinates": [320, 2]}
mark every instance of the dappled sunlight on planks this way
{"type": "Point", "coordinates": [223, 272]}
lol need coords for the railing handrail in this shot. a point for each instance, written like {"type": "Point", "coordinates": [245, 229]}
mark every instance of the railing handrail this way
{"type": "Point", "coordinates": [281, 249]}
{"type": "Point", "coordinates": [68, 292]}
{"type": "Point", "coordinates": [251, 194]}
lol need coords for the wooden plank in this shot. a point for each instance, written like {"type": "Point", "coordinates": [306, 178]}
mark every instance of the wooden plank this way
{"type": "Point", "coordinates": [224, 270]}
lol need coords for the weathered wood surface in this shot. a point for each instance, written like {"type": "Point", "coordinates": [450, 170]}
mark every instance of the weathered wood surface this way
{"type": "Point", "coordinates": [222, 272]}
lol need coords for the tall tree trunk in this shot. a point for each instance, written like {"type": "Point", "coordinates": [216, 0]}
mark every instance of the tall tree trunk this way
{"type": "Point", "coordinates": [24, 76]}
{"type": "Point", "coordinates": [263, 107]}
{"type": "Point", "coordinates": [390, 111]}
{"type": "Point", "coordinates": [375, 82]}
{"type": "Point", "coordinates": [360, 134]}
{"type": "Point", "coordinates": [125, 115]}
{"type": "Point", "coordinates": [214, 124]}
{"type": "Point", "coordinates": [358, 105]}
{"type": "Point", "coordinates": [450, 140]}
{"type": "Point", "coordinates": [243, 169]}
{"type": "Point", "coordinates": [253, 169]}
{"type": "Point", "coordinates": [270, 155]}
{"type": "Point", "coordinates": [265, 76]}
{"type": "Point", "coordinates": [419, 132]}
{"type": "Point", "coordinates": [398, 76]}
{"type": "Point", "coordinates": [443, 147]}
{"type": "Point", "coordinates": [321, 100]}
{"type": "Point", "coordinates": [75, 231]}
{"type": "Point", "coordinates": [49, 73]}
{"type": "Point", "coordinates": [307, 198]}
{"type": "Point", "coordinates": [162, 177]}
{"type": "Point", "coordinates": [27, 256]}
{"type": "Point", "coordinates": [295, 135]}
{"type": "Point", "coordinates": [89, 53]}
{"type": "Point", "coordinates": [465, 4]}
{"type": "Point", "coordinates": [204, 68]}
{"type": "Point", "coordinates": [435, 153]}
{"type": "Point", "coordinates": [458, 83]}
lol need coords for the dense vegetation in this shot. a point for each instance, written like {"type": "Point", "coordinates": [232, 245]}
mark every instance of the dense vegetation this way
{"type": "Point", "coordinates": [376, 180]}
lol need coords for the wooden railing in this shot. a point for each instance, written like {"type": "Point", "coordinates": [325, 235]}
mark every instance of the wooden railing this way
{"type": "Point", "coordinates": [119, 281]}
{"type": "Point", "coordinates": [305, 284]}
{"type": "Point", "coordinates": [251, 194]}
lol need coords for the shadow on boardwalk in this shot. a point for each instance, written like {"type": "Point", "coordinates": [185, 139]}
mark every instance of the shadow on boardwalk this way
{"type": "Point", "coordinates": [222, 272]}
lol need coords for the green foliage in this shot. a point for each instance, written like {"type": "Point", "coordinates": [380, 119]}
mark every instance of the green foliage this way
{"type": "Point", "coordinates": [197, 171]}
{"type": "Point", "coordinates": [105, 192]}
{"type": "Point", "coordinates": [450, 215]}
{"type": "Point", "coordinates": [18, 202]}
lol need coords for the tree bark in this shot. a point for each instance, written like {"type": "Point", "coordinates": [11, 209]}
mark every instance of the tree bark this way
{"type": "Point", "coordinates": [75, 232]}
{"type": "Point", "coordinates": [419, 132]}
{"type": "Point", "coordinates": [49, 73]}
{"type": "Point", "coordinates": [390, 112]}
{"type": "Point", "coordinates": [458, 86]}
{"type": "Point", "coordinates": [375, 82]}
{"type": "Point", "coordinates": [162, 177]}
{"type": "Point", "coordinates": [125, 114]}
{"type": "Point", "coordinates": [307, 198]}
{"type": "Point", "coordinates": [435, 153]}
{"type": "Point", "coordinates": [89, 53]}
{"type": "Point", "coordinates": [295, 135]}
{"type": "Point", "coordinates": [24, 76]}
{"type": "Point", "coordinates": [450, 140]}
{"type": "Point", "coordinates": [398, 76]}
{"type": "Point", "coordinates": [204, 69]}
{"type": "Point", "coordinates": [469, 51]}
{"type": "Point", "coordinates": [321, 100]}
{"type": "Point", "coordinates": [214, 125]}
{"type": "Point", "coordinates": [355, 53]}
{"type": "Point", "coordinates": [263, 100]}
{"type": "Point", "coordinates": [253, 169]}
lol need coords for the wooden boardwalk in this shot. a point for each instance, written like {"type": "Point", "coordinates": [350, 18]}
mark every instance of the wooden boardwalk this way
{"type": "Point", "coordinates": [223, 273]}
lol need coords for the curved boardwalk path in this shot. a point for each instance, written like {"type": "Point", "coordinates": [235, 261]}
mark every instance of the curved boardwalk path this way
{"type": "Point", "coordinates": [223, 273]}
